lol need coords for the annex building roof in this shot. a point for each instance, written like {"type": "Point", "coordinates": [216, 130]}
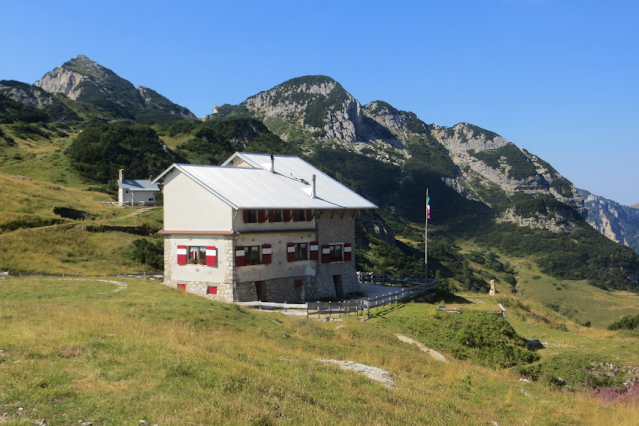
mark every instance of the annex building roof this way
{"type": "Point", "coordinates": [256, 187]}
{"type": "Point", "coordinates": [138, 185]}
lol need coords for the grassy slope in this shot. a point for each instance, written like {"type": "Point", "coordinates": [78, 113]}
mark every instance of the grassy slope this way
{"type": "Point", "coordinates": [76, 349]}
{"type": "Point", "coordinates": [62, 248]}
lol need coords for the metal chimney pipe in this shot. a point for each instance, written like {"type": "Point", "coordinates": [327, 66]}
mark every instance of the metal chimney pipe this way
{"type": "Point", "coordinates": [272, 164]}
{"type": "Point", "coordinates": [314, 186]}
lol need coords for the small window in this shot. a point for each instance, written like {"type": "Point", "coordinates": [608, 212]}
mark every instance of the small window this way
{"type": "Point", "coordinates": [126, 192]}
{"type": "Point", "coordinates": [150, 199]}
{"type": "Point", "coordinates": [252, 255]}
{"type": "Point", "coordinates": [196, 255]}
{"type": "Point", "coordinates": [299, 215]}
{"type": "Point", "coordinates": [250, 216]}
{"type": "Point", "coordinates": [301, 251]}
{"type": "Point", "coordinates": [298, 283]}
{"type": "Point", "coordinates": [182, 287]}
{"type": "Point", "coordinates": [275, 215]}
{"type": "Point", "coordinates": [211, 290]}
{"type": "Point", "coordinates": [335, 254]}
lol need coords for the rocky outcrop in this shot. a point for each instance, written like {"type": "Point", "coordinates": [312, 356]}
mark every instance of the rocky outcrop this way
{"type": "Point", "coordinates": [553, 221]}
{"type": "Point", "coordinates": [154, 101]}
{"type": "Point", "coordinates": [489, 161]}
{"type": "Point", "coordinates": [617, 222]}
{"type": "Point", "coordinates": [62, 81]}
{"type": "Point", "coordinates": [371, 223]}
{"type": "Point", "coordinates": [35, 97]}
{"type": "Point", "coordinates": [27, 94]}
{"type": "Point", "coordinates": [316, 104]}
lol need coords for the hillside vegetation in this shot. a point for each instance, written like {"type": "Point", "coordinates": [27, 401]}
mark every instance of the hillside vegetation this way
{"type": "Point", "coordinates": [96, 351]}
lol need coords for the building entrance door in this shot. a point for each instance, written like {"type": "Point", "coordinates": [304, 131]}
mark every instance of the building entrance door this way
{"type": "Point", "coordinates": [339, 291]}
{"type": "Point", "coordinates": [260, 289]}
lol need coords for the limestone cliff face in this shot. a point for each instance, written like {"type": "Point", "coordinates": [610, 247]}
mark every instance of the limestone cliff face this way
{"type": "Point", "coordinates": [617, 222]}
{"type": "Point", "coordinates": [63, 81]}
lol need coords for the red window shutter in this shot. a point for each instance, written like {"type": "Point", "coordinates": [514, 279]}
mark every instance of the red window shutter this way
{"type": "Point", "coordinates": [246, 216]}
{"type": "Point", "coordinates": [211, 256]}
{"type": "Point", "coordinates": [287, 215]}
{"type": "Point", "coordinates": [326, 254]}
{"type": "Point", "coordinates": [298, 283]}
{"type": "Point", "coordinates": [309, 215]}
{"type": "Point", "coordinates": [182, 287]}
{"type": "Point", "coordinates": [296, 215]}
{"type": "Point", "coordinates": [348, 252]}
{"type": "Point", "coordinates": [239, 256]}
{"type": "Point", "coordinates": [271, 216]}
{"type": "Point", "coordinates": [261, 216]}
{"type": "Point", "coordinates": [290, 252]}
{"type": "Point", "coordinates": [314, 250]}
{"type": "Point", "coordinates": [181, 255]}
{"type": "Point", "coordinates": [211, 290]}
{"type": "Point", "coordinates": [266, 254]}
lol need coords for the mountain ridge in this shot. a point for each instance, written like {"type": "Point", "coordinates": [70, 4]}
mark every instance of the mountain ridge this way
{"type": "Point", "coordinates": [82, 79]}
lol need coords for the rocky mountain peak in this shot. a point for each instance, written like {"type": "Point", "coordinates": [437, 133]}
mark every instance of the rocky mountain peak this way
{"type": "Point", "coordinates": [83, 79]}
{"type": "Point", "coordinates": [316, 104]}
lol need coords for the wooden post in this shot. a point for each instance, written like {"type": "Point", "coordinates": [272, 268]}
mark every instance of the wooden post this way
{"type": "Point", "coordinates": [329, 310]}
{"type": "Point", "coordinates": [307, 310]}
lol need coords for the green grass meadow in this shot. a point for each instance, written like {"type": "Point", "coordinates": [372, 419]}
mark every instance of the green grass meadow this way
{"type": "Point", "coordinates": [77, 349]}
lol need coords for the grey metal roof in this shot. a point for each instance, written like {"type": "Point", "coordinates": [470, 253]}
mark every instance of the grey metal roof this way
{"type": "Point", "coordinates": [138, 185]}
{"type": "Point", "coordinates": [258, 188]}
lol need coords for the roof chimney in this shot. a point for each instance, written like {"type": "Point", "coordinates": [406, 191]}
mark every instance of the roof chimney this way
{"type": "Point", "coordinates": [121, 178]}
{"type": "Point", "coordinates": [313, 187]}
{"type": "Point", "coordinates": [272, 164]}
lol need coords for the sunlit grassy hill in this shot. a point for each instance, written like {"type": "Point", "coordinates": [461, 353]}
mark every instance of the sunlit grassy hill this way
{"type": "Point", "coordinates": [33, 238]}
{"type": "Point", "coordinates": [80, 350]}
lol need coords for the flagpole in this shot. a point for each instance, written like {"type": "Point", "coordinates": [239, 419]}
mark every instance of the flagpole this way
{"type": "Point", "coordinates": [426, 242]}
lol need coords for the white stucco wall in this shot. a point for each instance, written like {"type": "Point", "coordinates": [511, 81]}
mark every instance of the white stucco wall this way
{"type": "Point", "coordinates": [190, 207]}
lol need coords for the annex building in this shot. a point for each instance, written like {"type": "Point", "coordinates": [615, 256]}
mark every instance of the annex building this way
{"type": "Point", "coordinates": [259, 227]}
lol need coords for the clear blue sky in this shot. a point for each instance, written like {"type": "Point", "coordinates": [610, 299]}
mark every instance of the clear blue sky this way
{"type": "Point", "coordinates": [557, 77]}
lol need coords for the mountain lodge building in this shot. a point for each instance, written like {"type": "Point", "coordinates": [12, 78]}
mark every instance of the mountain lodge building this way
{"type": "Point", "coordinates": [259, 227]}
{"type": "Point", "coordinates": [136, 192]}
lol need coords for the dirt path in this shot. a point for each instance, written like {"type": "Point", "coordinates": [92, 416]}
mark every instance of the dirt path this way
{"type": "Point", "coordinates": [434, 354]}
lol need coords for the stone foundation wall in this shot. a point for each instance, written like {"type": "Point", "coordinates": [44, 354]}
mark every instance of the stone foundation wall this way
{"type": "Point", "coordinates": [277, 290]}
{"type": "Point", "coordinates": [224, 290]}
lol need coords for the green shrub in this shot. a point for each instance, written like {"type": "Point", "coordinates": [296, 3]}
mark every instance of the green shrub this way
{"type": "Point", "coordinates": [148, 253]}
{"type": "Point", "coordinates": [477, 336]}
{"type": "Point", "coordinates": [626, 323]}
